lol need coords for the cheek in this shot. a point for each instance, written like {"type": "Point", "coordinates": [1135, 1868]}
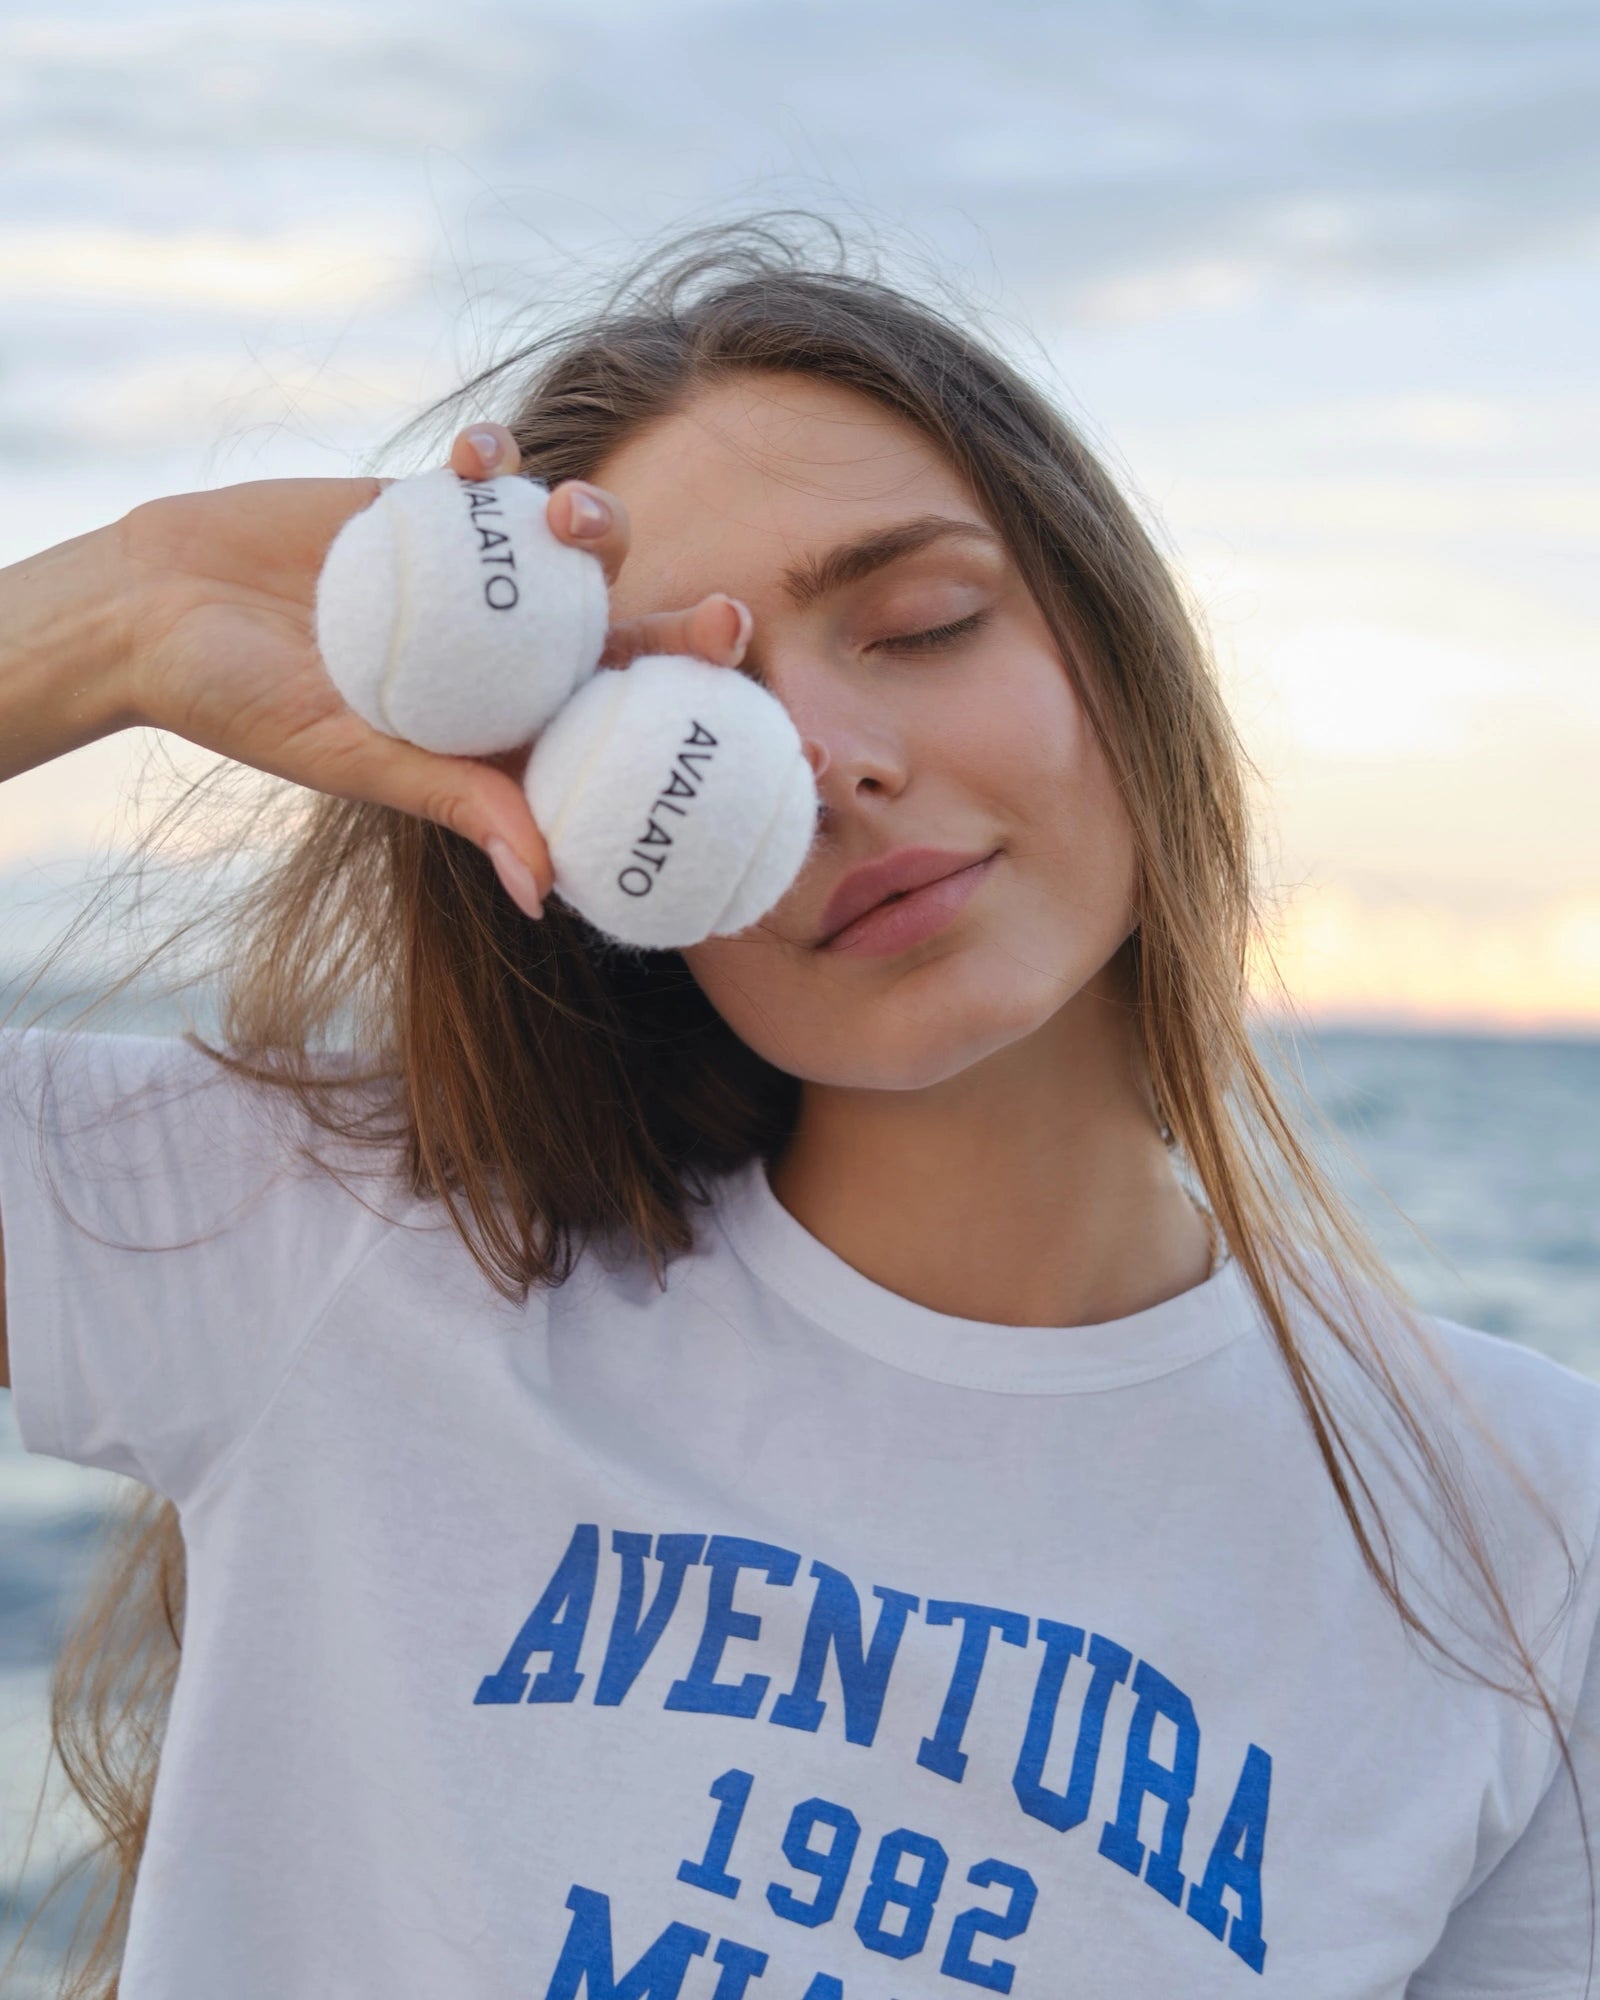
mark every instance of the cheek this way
{"type": "Point", "coordinates": [754, 984]}
{"type": "Point", "coordinates": [1034, 755]}
{"type": "Point", "coordinates": [1028, 748]}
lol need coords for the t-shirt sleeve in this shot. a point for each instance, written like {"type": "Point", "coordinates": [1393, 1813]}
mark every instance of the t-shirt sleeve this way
{"type": "Point", "coordinates": [168, 1249]}
{"type": "Point", "coordinates": [1523, 1933]}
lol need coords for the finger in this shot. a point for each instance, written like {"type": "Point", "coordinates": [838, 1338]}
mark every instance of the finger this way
{"type": "Point", "coordinates": [579, 513]}
{"type": "Point", "coordinates": [484, 451]}
{"type": "Point", "coordinates": [480, 801]}
{"type": "Point", "coordinates": [716, 629]}
{"type": "Point", "coordinates": [588, 517]}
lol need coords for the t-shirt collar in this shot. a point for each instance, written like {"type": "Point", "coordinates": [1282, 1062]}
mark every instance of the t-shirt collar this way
{"type": "Point", "coordinates": [970, 1353]}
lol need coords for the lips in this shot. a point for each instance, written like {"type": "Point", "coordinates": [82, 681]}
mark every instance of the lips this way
{"type": "Point", "coordinates": [893, 874]}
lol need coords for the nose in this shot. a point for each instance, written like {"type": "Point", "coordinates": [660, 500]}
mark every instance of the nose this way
{"type": "Point", "coordinates": [849, 739]}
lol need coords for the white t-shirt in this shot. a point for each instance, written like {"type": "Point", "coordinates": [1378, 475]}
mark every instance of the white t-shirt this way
{"type": "Point", "coordinates": [767, 1636]}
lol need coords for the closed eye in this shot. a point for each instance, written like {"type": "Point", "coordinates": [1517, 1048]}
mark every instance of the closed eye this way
{"type": "Point", "coordinates": [935, 637]}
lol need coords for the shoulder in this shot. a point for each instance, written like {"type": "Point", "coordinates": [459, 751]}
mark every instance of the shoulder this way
{"type": "Point", "coordinates": [1524, 1431]}
{"type": "Point", "coordinates": [94, 1066]}
{"type": "Point", "coordinates": [1474, 1448]}
{"type": "Point", "coordinates": [1483, 1394]}
{"type": "Point", "coordinates": [89, 1076]}
{"type": "Point", "coordinates": [79, 1080]}
{"type": "Point", "coordinates": [140, 1128]}
{"type": "Point", "coordinates": [83, 1102]}
{"type": "Point", "coordinates": [1546, 1412]}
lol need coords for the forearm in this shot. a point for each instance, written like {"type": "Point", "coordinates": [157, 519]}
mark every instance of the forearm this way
{"type": "Point", "coordinates": [63, 651]}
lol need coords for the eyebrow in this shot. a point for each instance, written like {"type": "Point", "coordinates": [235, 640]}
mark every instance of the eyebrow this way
{"type": "Point", "coordinates": [849, 562]}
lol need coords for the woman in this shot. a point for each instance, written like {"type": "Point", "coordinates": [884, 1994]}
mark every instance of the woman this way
{"type": "Point", "coordinates": [859, 1458]}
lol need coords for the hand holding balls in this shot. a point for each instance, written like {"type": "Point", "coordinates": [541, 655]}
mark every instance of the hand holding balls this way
{"type": "Point", "coordinates": [449, 614]}
{"type": "Point", "coordinates": [674, 796]}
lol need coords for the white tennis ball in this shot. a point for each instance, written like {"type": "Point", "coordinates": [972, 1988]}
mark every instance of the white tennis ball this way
{"type": "Point", "coordinates": [675, 799]}
{"type": "Point", "coordinates": [449, 613]}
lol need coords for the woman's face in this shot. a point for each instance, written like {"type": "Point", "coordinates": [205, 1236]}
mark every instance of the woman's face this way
{"type": "Point", "coordinates": [977, 745]}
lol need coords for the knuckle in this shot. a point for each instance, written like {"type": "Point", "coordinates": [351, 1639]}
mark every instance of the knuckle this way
{"type": "Point", "coordinates": [148, 531]}
{"type": "Point", "coordinates": [447, 808]}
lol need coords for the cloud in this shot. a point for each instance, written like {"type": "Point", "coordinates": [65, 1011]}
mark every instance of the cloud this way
{"type": "Point", "coordinates": [146, 403]}
{"type": "Point", "coordinates": [330, 270]}
{"type": "Point", "coordinates": [352, 79]}
{"type": "Point", "coordinates": [1196, 284]}
{"type": "Point", "coordinates": [1128, 161]}
{"type": "Point", "coordinates": [1348, 689]}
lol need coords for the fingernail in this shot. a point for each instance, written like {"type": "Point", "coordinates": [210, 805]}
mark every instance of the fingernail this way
{"type": "Point", "coordinates": [590, 516]}
{"type": "Point", "coordinates": [516, 878]}
{"type": "Point", "coordinates": [487, 444]}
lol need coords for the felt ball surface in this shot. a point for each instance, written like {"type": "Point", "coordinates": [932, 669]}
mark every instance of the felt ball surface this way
{"type": "Point", "coordinates": [449, 613]}
{"type": "Point", "coordinates": [675, 799]}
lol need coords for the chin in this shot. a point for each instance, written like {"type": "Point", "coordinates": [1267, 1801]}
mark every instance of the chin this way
{"type": "Point", "coordinates": [907, 1069]}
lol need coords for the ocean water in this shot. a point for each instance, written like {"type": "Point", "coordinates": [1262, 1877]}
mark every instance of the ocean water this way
{"type": "Point", "coordinates": [1476, 1165]}
{"type": "Point", "coordinates": [1475, 1162]}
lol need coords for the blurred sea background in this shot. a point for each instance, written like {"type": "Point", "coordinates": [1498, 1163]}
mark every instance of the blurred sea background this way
{"type": "Point", "coordinates": [1320, 285]}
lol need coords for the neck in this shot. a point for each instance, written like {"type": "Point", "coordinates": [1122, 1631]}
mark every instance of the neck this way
{"type": "Point", "coordinates": [1031, 1189]}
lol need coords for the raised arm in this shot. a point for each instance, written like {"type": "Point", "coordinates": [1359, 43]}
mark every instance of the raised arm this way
{"type": "Point", "coordinates": [63, 647]}
{"type": "Point", "coordinates": [194, 614]}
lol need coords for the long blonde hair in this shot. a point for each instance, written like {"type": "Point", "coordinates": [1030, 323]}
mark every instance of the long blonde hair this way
{"type": "Point", "coordinates": [545, 1086]}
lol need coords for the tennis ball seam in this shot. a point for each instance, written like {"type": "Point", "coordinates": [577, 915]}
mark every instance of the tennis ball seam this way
{"type": "Point", "coordinates": [597, 744]}
{"type": "Point", "coordinates": [400, 624]}
{"type": "Point", "coordinates": [757, 856]}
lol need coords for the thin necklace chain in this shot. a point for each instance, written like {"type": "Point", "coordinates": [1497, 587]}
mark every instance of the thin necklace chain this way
{"type": "Point", "coordinates": [1213, 1237]}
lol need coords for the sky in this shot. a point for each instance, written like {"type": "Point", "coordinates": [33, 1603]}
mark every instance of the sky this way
{"type": "Point", "coordinates": [1319, 283]}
